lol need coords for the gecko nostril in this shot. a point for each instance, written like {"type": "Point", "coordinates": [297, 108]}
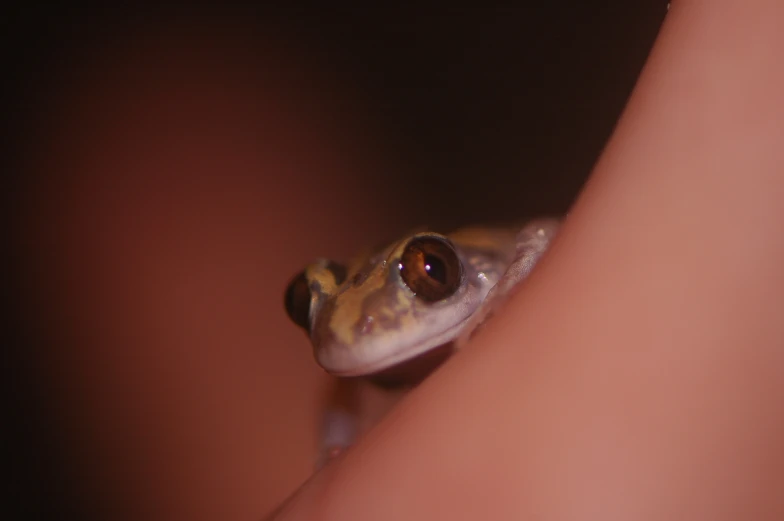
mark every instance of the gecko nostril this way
{"type": "Point", "coordinates": [367, 324]}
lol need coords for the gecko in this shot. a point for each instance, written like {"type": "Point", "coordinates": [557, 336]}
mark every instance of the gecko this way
{"type": "Point", "coordinates": [394, 314]}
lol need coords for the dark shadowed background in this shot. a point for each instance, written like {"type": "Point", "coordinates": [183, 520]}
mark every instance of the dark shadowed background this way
{"type": "Point", "coordinates": [172, 170]}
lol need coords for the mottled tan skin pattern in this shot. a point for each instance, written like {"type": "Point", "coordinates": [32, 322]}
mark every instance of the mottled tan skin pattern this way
{"type": "Point", "coordinates": [372, 322]}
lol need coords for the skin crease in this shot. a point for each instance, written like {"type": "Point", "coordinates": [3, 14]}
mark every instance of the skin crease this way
{"type": "Point", "coordinates": [639, 374]}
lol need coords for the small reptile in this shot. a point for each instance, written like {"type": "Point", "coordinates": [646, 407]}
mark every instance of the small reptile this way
{"type": "Point", "coordinates": [394, 314]}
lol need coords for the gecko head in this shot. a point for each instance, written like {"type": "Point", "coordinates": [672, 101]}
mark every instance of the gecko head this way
{"type": "Point", "coordinates": [388, 308]}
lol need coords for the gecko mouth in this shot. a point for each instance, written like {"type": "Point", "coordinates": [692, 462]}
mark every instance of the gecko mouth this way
{"type": "Point", "coordinates": [423, 354]}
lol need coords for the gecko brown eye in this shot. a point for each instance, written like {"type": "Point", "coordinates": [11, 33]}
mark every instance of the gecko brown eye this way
{"type": "Point", "coordinates": [430, 268]}
{"type": "Point", "coordinates": [297, 301]}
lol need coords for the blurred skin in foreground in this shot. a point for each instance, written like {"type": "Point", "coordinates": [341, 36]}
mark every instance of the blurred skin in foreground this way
{"type": "Point", "coordinates": [176, 192]}
{"type": "Point", "coordinates": [650, 383]}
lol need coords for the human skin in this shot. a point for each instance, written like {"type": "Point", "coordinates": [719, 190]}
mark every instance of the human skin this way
{"type": "Point", "coordinates": [633, 377]}
{"type": "Point", "coordinates": [639, 372]}
{"type": "Point", "coordinates": [177, 186]}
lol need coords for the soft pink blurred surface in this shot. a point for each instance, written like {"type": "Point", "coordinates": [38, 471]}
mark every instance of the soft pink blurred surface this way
{"type": "Point", "coordinates": [184, 178]}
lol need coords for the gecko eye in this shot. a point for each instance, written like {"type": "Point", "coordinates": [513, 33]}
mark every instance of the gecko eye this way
{"type": "Point", "coordinates": [297, 301]}
{"type": "Point", "coordinates": [430, 268]}
{"type": "Point", "coordinates": [298, 294]}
